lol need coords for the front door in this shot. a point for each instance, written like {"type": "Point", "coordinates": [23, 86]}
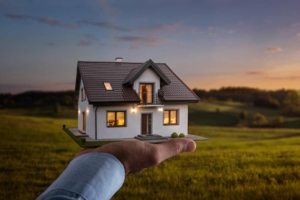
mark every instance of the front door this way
{"type": "Point", "coordinates": [146, 124]}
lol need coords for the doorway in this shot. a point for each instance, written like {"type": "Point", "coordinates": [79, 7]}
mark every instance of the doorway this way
{"type": "Point", "coordinates": [146, 124]}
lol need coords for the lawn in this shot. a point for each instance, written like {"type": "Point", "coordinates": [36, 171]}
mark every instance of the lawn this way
{"type": "Point", "coordinates": [236, 163]}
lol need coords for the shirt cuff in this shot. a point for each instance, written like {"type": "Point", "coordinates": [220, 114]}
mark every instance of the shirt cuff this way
{"type": "Point", "coordinates": [90, 176]}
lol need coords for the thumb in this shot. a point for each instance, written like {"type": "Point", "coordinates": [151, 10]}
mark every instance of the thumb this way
{"type": "Point", "coordinates": [174, 147]}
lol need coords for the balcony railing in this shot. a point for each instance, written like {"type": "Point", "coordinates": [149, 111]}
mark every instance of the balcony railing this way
{"type": "Point", "coordinates": [156, 101]}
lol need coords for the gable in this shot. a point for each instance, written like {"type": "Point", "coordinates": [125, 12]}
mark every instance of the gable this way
{"type": "Point", "coordinates": [138, 71]}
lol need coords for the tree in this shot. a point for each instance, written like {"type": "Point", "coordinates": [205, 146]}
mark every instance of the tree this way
{"type": "Point", "coordinates": [291, 104]}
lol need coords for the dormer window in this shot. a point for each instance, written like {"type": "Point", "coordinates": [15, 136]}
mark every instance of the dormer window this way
{"type": "Point", "coordinates": [107, 86]}
{"type": "Point", "coordinates": [146, 93]}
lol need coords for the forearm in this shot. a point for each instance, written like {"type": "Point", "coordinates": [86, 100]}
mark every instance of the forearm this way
{"type": "Point", "coordinates": [89, 176]}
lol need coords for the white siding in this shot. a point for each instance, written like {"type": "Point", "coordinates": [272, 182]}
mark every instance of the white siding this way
{"type": "Point", "coordinates": [134, 121]}
{"type": "Point", "coordinates": [84, 106]}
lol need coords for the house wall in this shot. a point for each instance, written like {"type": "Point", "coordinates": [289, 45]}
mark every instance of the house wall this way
{"type": "Point", "coordinates": [84, 106]}
{"type": "Point", "coordinates": [133, 121]}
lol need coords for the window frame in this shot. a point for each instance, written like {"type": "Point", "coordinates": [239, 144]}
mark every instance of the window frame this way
{"type": "Point", "coordinates": [104, 83]}
{"type": "Point", "coordinates": [83, 95]}
{"type": "Point", "coordinates": [153, 93]}
{"type": "Point", "coordinates": [169, 116]}
{"type": "Point", "coordinates": [116, 111]}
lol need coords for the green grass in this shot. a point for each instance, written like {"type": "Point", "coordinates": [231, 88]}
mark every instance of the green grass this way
{"type": "Point", "coordinates": [236, 163]}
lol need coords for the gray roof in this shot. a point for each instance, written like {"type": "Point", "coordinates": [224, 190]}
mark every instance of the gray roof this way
{"type": "Point", "coordinates": [121, 76]}
{"type": "Point", "coordinates": [136, 72]}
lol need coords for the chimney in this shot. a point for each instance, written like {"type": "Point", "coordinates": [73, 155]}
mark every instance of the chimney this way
{"type": "Point", "coordinates": [119, 59]}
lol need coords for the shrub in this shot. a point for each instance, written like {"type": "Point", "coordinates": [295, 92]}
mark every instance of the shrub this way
{"type": "Point", "coordinates": [266, 102]}
{"type": "Point", "coordinates": [174, 135]}
{"type": "Point", "coordinates": [243, 115]}
{"type": "Point", "coordinates": [83, 140]}
{"type": "Point", "coordinates": [260, 118]}
{"type": "Point", "coordinates": [291, 104]}
{"type": "Point", "coordinates": [277, 122]}
{"type": "Point", "coordinates": [181, 135]}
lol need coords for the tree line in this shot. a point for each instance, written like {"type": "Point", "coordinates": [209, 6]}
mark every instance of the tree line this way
{"type": "Point", "coordinates": [37, 99]}
{"type": "Point", "coordinates": [286, 100]}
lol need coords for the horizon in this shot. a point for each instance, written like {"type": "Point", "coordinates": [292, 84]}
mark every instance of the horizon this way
{"type": "Point", "coordinates": [209, 44]}
{"type": "Point", "coordinates": [207, 90]}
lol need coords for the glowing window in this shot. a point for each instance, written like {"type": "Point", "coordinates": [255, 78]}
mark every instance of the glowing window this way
{"type": "Point", "coordinates": [170, 117]}
{"type": "Point", "coordinates": [146, 93]}
{"type": "Point", "coordinates": [116, 119]}
{"type": "Point", "coordinates": [107, 86]}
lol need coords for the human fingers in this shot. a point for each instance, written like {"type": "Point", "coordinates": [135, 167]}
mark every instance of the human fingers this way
{"type": "Point", "coordinates": [174, 147]}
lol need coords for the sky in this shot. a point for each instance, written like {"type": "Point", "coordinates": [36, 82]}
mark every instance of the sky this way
{"type": "Point", "coordinates": [209, 44]}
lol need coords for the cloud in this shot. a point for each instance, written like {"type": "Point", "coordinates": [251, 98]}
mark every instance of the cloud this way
{"type": "Point", "coordinates": [296, 25]}
{"type": "Point", "coordinates": [298, 35]}
{"type": "Point", "coordinates": [273, 50]}
{"type": "Point", "coordinates": [140, 40]}
{"type": "Point", "coordinates": [51, 44]}
{"type": "Point", "coordinates": [44, 20]}
{"type": "Point", "coordinates": [84, 43]}
{"type": "Point", "coordinates": [212, 31]}
{"type": "Point", "coordinates": [105, 25]}
{"type": "Point", "coordinates": [133, 47]}
{"type": "Point", "coordinates": [91, 37]}
{"type": "Point", "coordinates": [161, 27]}
{"type": "Point", "coordinates": [254, 73]}
{"type": "Point", "coordinates": [175, 28]}
{"type": "Point", "coordinates": [289, 78]}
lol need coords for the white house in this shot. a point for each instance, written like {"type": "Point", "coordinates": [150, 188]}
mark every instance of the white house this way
{"type": "Point", "coordinates": [126, 99]}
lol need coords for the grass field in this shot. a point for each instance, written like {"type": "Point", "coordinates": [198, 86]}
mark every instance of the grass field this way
{"type": "Point", "coordinates": [236, 163]}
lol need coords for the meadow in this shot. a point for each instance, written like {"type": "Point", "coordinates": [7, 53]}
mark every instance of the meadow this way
{"type": "Point", "coordinates": [236, 163]}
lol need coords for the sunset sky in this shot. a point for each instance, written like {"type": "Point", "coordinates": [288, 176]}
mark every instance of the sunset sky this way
{"type": "Point", "coordinates": [208, 43]}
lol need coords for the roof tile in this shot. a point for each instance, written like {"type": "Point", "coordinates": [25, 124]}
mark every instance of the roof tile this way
{"type": "Point", "coordinates": [94, 74]}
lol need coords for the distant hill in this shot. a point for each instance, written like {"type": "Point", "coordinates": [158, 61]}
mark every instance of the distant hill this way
{"type": "Point", "coordinates": [257, 97]}
{"type": "Point", "coordinates": [37, 99]}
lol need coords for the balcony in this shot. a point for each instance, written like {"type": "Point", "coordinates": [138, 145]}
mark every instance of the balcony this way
{"type": "Point", "coordinates": [146, 99]}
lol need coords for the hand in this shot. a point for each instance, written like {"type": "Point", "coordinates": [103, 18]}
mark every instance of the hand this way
{"type": "Point", "coordinates": [136, 155]}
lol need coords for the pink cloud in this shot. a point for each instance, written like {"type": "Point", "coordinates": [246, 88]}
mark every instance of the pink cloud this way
{"type": "Point", "coordinates": [273, 50]}
{"type": "Point", "coordinates": [140, 40]}
{"type": "Point", "coordinates": [254, 73]}
{"type": "Point", "coordinates": [45, 20]}
{"type": "Point", "coordinates": [291, 78]}
{"type": "Point", "coordinates": [105, 25]}
{"type": "Point", "coordinates": [133, 47]}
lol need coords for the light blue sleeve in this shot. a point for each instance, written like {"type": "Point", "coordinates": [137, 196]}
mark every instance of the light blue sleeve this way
{"type": "Point", "coordinates": [89, 176]}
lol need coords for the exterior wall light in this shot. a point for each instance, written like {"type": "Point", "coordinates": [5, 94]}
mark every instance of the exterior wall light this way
{"type": "Point", "coordinates": [133, 110]}
{"type": "Point", "coordinates": [78, 111]}
{"type": "Point", "coordinates": [87, 111]}
{"type": "Point", "coordinates": [160, 109]}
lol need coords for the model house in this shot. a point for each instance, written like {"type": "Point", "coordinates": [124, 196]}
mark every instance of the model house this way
{"type": "Point", "coordinates": [125, 99]}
